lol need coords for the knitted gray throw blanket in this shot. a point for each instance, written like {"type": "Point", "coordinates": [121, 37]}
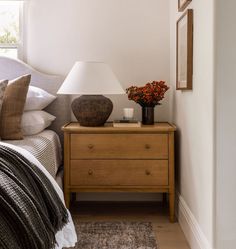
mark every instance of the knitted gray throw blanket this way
{"type": "Point", "coordinates": [31, 212]}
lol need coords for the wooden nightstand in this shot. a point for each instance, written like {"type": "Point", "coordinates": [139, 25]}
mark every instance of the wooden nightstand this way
{"type": "Point", "coordinates": [108, 159]}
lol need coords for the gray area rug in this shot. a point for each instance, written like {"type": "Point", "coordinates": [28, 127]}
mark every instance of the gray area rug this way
{"type": "Point", "coordinates": [115, 235]}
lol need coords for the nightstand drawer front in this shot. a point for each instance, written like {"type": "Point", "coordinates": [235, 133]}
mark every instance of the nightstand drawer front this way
{"type": "Point", "coordinates": [119, 173]}
{"type": "Point", "coordinates": [123, 146]}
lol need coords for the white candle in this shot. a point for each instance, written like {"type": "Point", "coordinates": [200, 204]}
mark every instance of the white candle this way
{"type": "Point", "coordinates": [128, 113]}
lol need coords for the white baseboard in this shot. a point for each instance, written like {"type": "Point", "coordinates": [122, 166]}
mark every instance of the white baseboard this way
{"type": "Point", "coordinates": [190, 226]}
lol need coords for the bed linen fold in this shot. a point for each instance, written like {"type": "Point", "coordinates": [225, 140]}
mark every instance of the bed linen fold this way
{"type": "Point", "coordinates": [45, 146]}
{"type": "Point", "coordinates": [31, 204]}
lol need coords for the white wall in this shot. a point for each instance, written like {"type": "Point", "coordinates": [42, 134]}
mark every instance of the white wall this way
{"type": "Point", "coordinates": [225, 124]}
{"type": "Point", "coordinates": [193, 114]}
{"type": "Point", "coordinates": [130, 35]}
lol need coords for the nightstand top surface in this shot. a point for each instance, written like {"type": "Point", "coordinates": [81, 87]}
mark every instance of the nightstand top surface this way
{"type": "Point", "coordinates": [108, 128]}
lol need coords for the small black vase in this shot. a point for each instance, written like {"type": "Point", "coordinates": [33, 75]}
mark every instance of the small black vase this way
{"type": "Point", "coordinates": [148, 115]}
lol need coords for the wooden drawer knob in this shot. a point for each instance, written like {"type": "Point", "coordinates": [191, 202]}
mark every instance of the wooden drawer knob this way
{"type": "Point", "coordinates": [148, 172]}
{"type": "Point", "coordinates": [90, 172]}
{"type": "Point", "coordinates": [90, 146]}
{"type": "Point", "coordinates": [147, 146]}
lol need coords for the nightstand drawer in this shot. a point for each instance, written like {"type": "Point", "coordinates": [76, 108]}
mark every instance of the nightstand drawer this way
{"type": "Point", "coordinates": [119, 173]}
{"type": "Point", "coordinates": [120, 146]}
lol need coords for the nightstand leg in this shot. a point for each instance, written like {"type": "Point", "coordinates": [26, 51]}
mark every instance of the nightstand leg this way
{"type": "Point", "coordinates": [67, 199]}
{"type": "Point", "coordinates": [172, 206]}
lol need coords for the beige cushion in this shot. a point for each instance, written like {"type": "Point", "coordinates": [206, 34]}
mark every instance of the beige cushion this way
{"type": "Point", "coordinates": [3, 86]}
{"type": "Point", "coordinates": [13, 107]}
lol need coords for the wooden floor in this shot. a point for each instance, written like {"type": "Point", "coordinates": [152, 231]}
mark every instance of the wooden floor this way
{"type": "Point", "coordinates": [169, 235]}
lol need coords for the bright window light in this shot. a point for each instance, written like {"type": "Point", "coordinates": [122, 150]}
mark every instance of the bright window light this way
{"type": "Point", "coordinates": [9, 28]}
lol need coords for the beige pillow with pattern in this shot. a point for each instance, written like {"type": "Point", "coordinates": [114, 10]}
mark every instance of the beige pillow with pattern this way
{"type": "Point", "coordinates": [3, 86]}
{"type": "Point", "coordinates": [13, 107]}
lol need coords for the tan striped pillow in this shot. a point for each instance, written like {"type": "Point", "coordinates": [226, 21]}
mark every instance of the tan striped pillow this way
{"type": "Point", "coordinates": [3, 86]}
{"type": "Point", "coordinates": [13, 107]}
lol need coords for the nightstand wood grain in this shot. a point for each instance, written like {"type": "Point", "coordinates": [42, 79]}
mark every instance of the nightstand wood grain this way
{"type": "Point", "coordinates": [108, 159]}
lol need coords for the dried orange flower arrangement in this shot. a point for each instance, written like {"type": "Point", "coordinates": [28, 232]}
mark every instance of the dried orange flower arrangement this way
{"type": "Point", "coordinates": [149, 95]}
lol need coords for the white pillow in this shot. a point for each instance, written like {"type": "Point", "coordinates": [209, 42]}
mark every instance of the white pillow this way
{"type": "Point", "coordinates": [37, 99]}
{"type": "Point", "coordinates": [33, 122]}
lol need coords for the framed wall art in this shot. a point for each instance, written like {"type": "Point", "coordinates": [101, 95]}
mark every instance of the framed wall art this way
{"type": "Point", "coordinates": [184, 53]}
{"type": "Point", "coordinates": [182, 4]}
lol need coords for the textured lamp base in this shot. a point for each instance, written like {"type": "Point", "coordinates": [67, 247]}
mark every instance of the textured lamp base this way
{"type": "Point", "coordinates": [92, 110]}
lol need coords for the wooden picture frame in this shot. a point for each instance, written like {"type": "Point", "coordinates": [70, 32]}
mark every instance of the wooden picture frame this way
{"type": "Point", "coordinates": [184, 51]}
{"type": "Point", "coordinates": [182, 4]}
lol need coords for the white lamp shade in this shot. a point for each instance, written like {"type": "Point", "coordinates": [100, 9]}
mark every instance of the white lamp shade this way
{"type": "Point", "coordinates": [91, 78]}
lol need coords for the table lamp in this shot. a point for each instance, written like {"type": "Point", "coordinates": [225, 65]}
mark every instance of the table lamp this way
{"type": "Point", "coordinates": [91, 80]}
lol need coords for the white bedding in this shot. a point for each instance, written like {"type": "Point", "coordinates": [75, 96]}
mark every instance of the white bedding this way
{"type": "Point", "coordinates": [45, 146]}
{"type": "Point", "coordinates": [67, 236]}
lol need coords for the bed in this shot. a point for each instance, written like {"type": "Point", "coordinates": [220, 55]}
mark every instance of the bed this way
{"type": "Point", "coordinates": [11, 69]}
{"type": "Point", "coordinates": [44, 149]}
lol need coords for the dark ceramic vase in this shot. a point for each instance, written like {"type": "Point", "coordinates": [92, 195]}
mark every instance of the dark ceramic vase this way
{"type": "Point", "coordinates": [148, 115]}
{"type": "Point", "coordinates": [92, 110]}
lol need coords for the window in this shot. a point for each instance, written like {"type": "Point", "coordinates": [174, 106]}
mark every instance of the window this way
{"type": "Point", "coordinates": [10, 30]}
